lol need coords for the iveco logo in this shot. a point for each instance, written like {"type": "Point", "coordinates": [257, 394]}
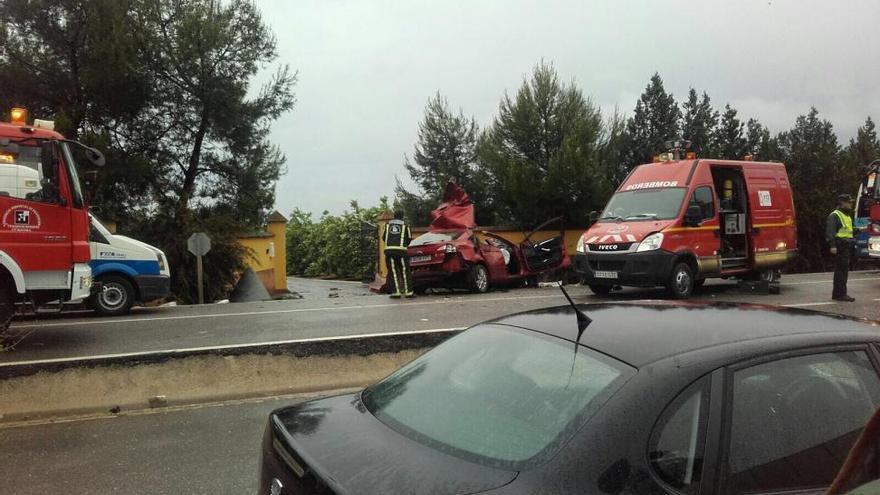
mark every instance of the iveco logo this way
{"type": "Point", "coordinates": [606, 247]}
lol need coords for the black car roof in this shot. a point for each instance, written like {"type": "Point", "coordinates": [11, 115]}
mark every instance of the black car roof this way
{"type": "Point", "coordinates": [645, 332]}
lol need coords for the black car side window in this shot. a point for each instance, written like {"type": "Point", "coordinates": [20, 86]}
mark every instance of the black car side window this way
{"type": "Point", "coordinates": [794, 420]}
{"type": "Point", "coordinates": [678, 439]}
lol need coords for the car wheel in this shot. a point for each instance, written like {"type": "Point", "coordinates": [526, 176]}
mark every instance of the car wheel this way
{"type": "Point", "coordinates": [601, 290]}
{"type": "Point", "coordinates": [7, 304]}
{"type": "Point", "coordinates": [681, 282]}
{"type": "Point", "coordinates": [115, 297]}
{"type": "Point", "coordinates": [478, 279]}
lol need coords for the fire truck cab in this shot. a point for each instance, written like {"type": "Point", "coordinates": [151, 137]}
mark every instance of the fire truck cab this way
{"type": "Point", "coordinates": [676, 223]}
{"type": "Point", "coordinates": [44, 225]}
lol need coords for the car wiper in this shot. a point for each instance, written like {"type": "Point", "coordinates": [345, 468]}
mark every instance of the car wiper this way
{"type": "Point", "coordinates": [643, 215]}
{"type": "Point", "coordinates": [611, 217]}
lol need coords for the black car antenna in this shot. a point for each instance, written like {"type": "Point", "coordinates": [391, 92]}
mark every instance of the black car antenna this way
{"type": "Point", "coordinates": [583, 320]}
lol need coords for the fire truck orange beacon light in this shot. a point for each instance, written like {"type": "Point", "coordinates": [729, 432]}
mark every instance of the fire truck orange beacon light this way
{"type": "Point", "coordinates": [691, 155]}
{"type": "Point", "coordinates": [18, 116]}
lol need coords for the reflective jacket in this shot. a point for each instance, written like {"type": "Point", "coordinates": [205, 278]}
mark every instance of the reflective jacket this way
{"type": "Point", "coordinates": [839, 226]}
{"type": "Point", "coordinates": [397, 235]}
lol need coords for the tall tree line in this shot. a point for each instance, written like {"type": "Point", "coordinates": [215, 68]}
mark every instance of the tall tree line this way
{"type": "Point", "coordinates": [164, 87]}
{"type": "Point", "coordinates": [550, 152]}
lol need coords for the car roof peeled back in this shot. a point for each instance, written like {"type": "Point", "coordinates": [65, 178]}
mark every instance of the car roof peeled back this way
{"type": "Point", "coordinates": [642, 333]}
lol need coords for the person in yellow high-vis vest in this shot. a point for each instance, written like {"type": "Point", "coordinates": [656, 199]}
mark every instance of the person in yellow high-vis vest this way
{"type": "Point", "coordinates": [839, 234]}
{"type": "Point", "coordinates": [397, 237]}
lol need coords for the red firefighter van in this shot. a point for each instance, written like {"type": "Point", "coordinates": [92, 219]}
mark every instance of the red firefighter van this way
{"type": "Point", "coordinates": [676, 223]}
{"type": "Point", "coordinates": [44, 225]}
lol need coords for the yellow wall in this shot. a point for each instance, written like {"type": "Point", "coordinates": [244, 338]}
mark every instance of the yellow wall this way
{"type": "Point", "coordinates": [268, 256]}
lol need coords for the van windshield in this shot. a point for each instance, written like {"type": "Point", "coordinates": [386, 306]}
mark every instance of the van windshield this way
{"type": "Point", "coordinates": [644, 204]}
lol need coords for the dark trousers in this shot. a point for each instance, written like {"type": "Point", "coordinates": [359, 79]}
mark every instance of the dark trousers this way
{"type": "Point", "coordinates": [841, 267]}
{"type": "Point", "coordinates": [399, 276]}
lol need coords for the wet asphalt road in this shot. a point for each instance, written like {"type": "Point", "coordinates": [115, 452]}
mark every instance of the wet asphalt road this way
{"type": "Point", "coordinates": [215, 448]}
{"type": "Point", "coordinates": [355, 311]}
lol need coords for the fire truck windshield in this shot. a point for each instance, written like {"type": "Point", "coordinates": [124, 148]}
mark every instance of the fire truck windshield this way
{"type": "Point", "coordinates": [644, 204]}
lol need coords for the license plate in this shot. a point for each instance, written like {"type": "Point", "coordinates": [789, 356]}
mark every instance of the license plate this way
{"type": "Point", "coordinates": [601, 274]}
{"type": "Point", "coordinates": [419, 259]}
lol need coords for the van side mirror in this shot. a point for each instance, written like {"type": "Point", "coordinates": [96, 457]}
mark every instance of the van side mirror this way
{"type": "Point", "coordinates": [594, 216]}
{"type": "Point", "coordinates": [693, 216]}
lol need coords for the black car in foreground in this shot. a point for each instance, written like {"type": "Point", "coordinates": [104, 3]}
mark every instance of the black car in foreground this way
{"type": "Point", "coordinates": [678, 398]}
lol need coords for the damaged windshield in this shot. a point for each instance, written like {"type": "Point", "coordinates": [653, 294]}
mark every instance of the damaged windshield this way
{"type": "Point", "coordinates": [644, 204]}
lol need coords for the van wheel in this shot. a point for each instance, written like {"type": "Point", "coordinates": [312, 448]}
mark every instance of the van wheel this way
{"type": "Point", "coordinates": [681, 282]}
{"type": "Point", "coordinates": [7, 305]}
{"type": "Point", "coordinates": [478, 279]}
{"type": "Point", "coordinates": [115, 298]}
{"type": "Point", "coordinates": [601, 290]}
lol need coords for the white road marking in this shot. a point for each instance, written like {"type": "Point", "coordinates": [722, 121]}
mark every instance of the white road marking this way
{"type": "Point", "coordinates": [801, 305]}
{"type": "Point", "coordinates": [227, 346]}
{"type": "Point", "coordinates": [829, 281]}
{"type": "Point", "coordinates": [285, 311]}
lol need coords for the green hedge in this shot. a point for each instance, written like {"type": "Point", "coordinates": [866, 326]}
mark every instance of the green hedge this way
{"type": "Point", "coordinates": [334, 245]}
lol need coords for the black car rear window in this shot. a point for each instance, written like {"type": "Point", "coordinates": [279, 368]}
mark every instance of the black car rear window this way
{"type": "Point", "coordinates": [497, 395]}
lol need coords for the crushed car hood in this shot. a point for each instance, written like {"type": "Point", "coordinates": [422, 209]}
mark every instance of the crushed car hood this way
{"type": "Point", "coordinates": [623, 232]}
{"type": "Point", "coordinates": [455, 212]}
{"type": "Point", "coordinates": [355, 453]}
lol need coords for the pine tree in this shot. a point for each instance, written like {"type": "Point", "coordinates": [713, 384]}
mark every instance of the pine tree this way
{"type": "Point", "coordinates": [729, 140]}
{"type": "Point", "coordinates": [444, 152]}
{"type": "Point", "coordinates": [653, 124]}
{"type": "Point", "coordinates": [759, 143]}
{"type": "Point", "coordinates": [813, 159]}
{"type": "Point", "coordinates": [698, 123]}
{"type": "Point", "coordinates": [865, 148]}
{"type": "Point", "coordinates": [542, 153]}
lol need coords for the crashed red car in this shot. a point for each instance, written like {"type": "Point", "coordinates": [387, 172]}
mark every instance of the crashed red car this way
{"type": "Point", "coordinates": [453, 254]}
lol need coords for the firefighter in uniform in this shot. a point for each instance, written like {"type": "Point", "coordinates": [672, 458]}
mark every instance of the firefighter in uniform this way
{"type": "Point", "coordinates": [397, 238]}
{"type": "Point", "coordinates": [839, 234]}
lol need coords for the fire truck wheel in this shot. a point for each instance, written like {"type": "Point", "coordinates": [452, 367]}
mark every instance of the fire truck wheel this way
{"type": "Point", "coordinates": [681, 282]}
{"type": "Point", "coordinates": [7, 303]}
{"type": "Point", "coordinates": [478, 279]}
{"type": "Point", "coordinates": [601, 290]}
{"type": "Point", "coordinates": [115, 297]}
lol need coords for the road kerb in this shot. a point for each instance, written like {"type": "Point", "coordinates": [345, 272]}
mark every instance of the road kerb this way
{"type": "Point", "coordinates": [208, 377]}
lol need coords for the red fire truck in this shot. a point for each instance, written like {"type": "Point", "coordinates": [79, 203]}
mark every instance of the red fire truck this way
{"type": "Point", "coordinates": [44, 224]}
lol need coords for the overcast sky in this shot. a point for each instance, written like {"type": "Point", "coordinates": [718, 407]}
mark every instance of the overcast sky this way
{"type": "Point", "coordinates": [367, 68]}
